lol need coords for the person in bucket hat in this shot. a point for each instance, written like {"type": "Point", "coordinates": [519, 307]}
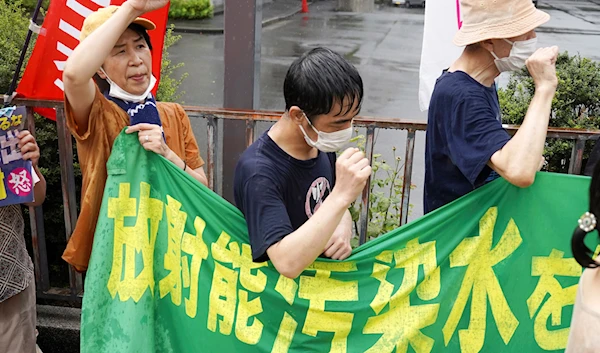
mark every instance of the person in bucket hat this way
{"type": "Point", "coordinates": [466, 145]}
{"type": "Point", "coordinates": [108, 82]}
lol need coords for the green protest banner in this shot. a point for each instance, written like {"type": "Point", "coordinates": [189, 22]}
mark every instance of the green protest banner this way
{"type": "Point", "coordinates": [171, 271]}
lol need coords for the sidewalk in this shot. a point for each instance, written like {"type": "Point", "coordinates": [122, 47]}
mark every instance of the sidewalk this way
{"type": "Point", "coordinates": [273, 11]}
{"type": "Point", "coordinates": [572, 17]}
{"type": "Point", "coordinates": [568, 17]}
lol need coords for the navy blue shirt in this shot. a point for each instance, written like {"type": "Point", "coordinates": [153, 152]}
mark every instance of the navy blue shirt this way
{"type": "Point", "coordinates": [278, 193]}
{"type": "Point", "coordinates": [464, 130]}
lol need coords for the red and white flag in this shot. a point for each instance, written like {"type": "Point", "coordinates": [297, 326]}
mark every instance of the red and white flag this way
{"type": "Point", "coordinates": [58, 37]}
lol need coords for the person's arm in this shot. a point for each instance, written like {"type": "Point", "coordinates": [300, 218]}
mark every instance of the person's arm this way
{"type": "Point", "coordinates": [200, 176]}
{"type": "Point", "coordinates": [197, 174]}
{"type": "Point", "coordinates": [31, 151]}
{"type": "Point", "coordinates": [298, 250]}
{"type": "Point", "coordinates": [192, 152]}
{"type": "Point", "coordinates": [86, 60]}
{"type": "Point", "coordinates": [151, 138]}
{"type": "Point", "coordinates": [339, 247]}
{"type": "Point", "coordinates": [519, 160]}
{"type": "Point", "coordinates": [89, 55]}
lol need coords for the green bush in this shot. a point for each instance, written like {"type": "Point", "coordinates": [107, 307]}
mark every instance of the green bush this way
{"type": "Point", "coordinates": [13, 26]}
{"type": "Point", "coordinates": [29, 5]}
{"type": "Point", "coordinates": [385, 199]}
{"type": "Point", "coordinates": [576, 104]}
{"type": "Point", "coordinates": [190, 9]}
{"type": "Point", "coordinates": [168, 88]}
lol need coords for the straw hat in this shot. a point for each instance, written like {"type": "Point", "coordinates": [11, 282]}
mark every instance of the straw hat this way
{"type": "Point", "coordinates": [97, 18]}
{"type": "Point", "coordinates": [494, 19]}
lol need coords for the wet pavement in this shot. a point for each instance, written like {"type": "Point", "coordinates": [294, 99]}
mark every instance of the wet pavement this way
{"type": "Point", "coordinates": [384, 45]}
{"type": "Point", "coordinates": [585, 11]}
{"type": "Point", "coordinates": [273, 11]}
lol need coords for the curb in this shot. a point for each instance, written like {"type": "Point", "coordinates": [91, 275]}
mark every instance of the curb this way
{"type": "Point", "coordinates": [178, 29]}
{"type": "Point", "coordinates": [58, 329]}
{"type": "Point", "coordinates": [265, 23]}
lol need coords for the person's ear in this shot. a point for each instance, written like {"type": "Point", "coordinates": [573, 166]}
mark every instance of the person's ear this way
{"type": "Point", "coordinates": [101, 74]}
{"type": "Point", "coordinates": [296, 115]}
{"type": "Point", "coordinates": [488, 45]}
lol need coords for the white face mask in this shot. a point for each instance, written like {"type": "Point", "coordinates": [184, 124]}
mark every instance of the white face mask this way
{"type": "Point", "coordinates": [520, 52]}
{"type": "Point", "coordinates": [117, 92]}
{"type": "Point", "coordinates": [328, 141]}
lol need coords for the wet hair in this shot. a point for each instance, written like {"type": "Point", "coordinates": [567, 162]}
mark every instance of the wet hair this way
{"type": "Point", "coordinates": [319, 79]}
{"type": "Point", "coordinates": [581, 252]}
{"type": "Point", "coordinates": [102, 83]}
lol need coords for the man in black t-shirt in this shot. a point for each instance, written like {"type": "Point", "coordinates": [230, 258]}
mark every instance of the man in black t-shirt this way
{"type": "Point", "coordinates": [466, 145]}
{"type": "Point", "coordinates": [293, 192]}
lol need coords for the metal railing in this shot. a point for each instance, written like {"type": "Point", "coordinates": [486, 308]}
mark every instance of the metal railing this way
{"type": "Point", "coordinates": [212, 117]}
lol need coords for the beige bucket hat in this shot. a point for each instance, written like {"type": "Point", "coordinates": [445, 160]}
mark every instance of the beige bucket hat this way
{"type": "Point", "coordinates": [97, 18]}
{"type": "Point", "coordinates": [494, 19]}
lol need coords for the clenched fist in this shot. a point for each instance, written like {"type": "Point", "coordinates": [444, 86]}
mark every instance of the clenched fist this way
{"type": "Point", "coordinates": [542, 67]}
{"type": "Point", "coordinates": [144, 6]}
{"type": "Point", "coordinates": [352, 172]}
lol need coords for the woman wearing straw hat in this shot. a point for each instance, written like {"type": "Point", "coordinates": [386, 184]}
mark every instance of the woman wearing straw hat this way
{"type": "Point", "coordinates": [466, 145]}
{"type": "Point", "coordinates": [116, 52]}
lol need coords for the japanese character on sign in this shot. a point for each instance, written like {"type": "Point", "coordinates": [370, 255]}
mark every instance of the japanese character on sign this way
{"type": "Point", "coordinates": [11, 117]}
{"type": "Point", "coordinates": [9, 147]}
{"type": "Point", "coordinates": [546, 268]}
{"type": "Point", "coordinates": [480, 282]}
{"type": "Point", "coordinates": [20, 182]}
{"type": "Point", "coordinates": [288, 288]}
{"type": "Point", "coordinates": [16, 120]}
{"type": "Point", "coordinates": [4, 123]}
{"type": "Point", "coordinates": [226, 301]}
{"type": "Point", "coordinates": [15, 173]}
{"type": "Point", "coordinates": [131, 277]}
{"type": "Point", "coordinates": [2, 187]}
{"type": "Point", "coordinates": [401, 324]}
{"type": "Point", "coordinates": [180, 243]}
{"type": "Point", "coordinates": [321, 289]}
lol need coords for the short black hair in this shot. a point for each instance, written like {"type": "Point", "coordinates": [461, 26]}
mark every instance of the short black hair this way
{"type": "Point", "coordinates": [141, 31]}
{"type": "Point", "coordinates": [581, 253]}
{"type": "Point", "coordinates": [319, 79]}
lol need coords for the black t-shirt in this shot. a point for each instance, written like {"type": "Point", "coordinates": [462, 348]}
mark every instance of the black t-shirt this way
{"type": "Point", "coordinates": [464, 130]}
{"type": "Point", "coordinates": [278, 193]}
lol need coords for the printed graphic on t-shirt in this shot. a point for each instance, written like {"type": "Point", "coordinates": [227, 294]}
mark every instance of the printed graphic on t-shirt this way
{"type": "Point", "coordinates": [318, 191]}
